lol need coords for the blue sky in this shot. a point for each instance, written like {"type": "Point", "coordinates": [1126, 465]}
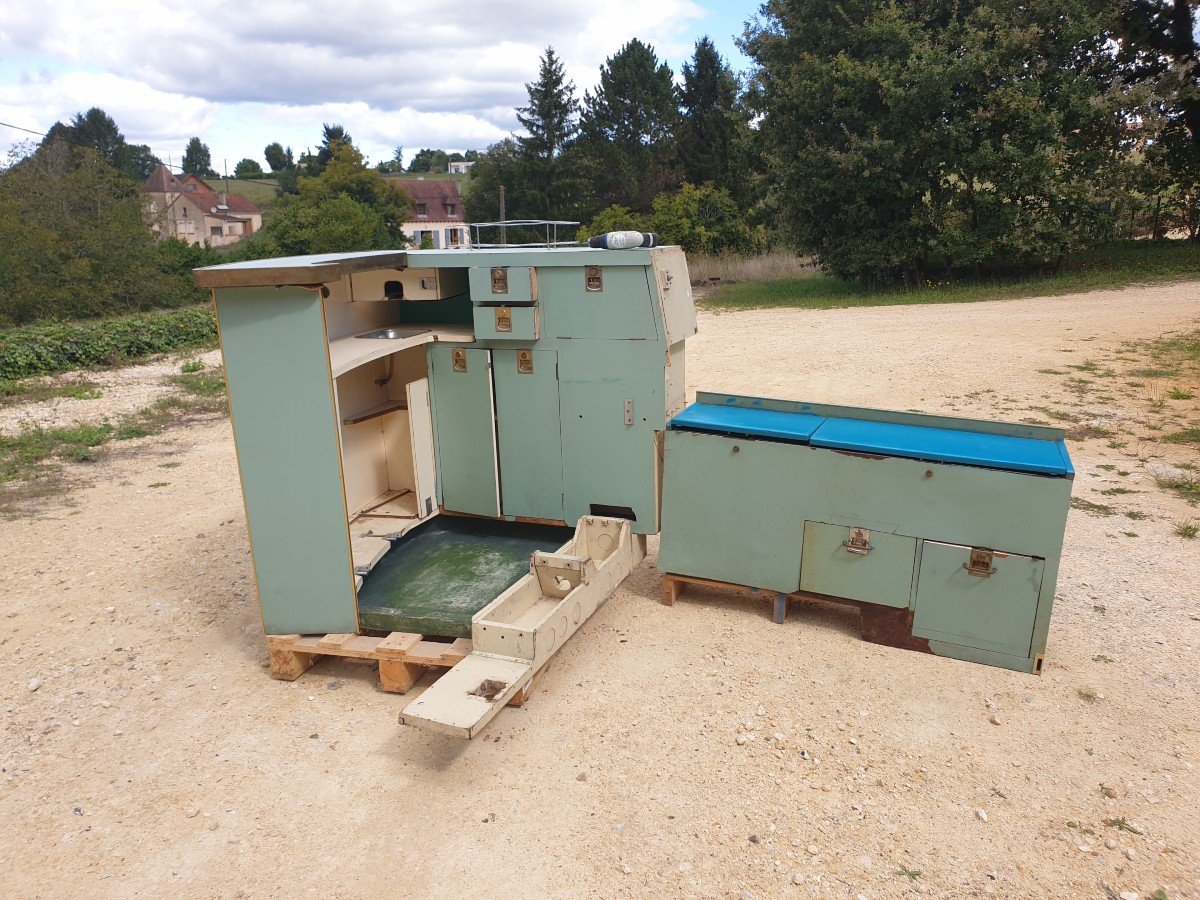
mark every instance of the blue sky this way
{"type": "Point", "coordinates": [391, 71]}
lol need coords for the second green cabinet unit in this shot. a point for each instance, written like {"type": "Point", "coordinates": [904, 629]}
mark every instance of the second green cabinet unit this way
{"type": "Point", "coordinates": [529, 433]}
{"type": "Point", "coordinates": [465, 433]}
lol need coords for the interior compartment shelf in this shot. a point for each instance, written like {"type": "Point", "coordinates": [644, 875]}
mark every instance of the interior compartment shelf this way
{"type": "Point", "coordinates": [374, 412]}
{"type": "Point", "coordinates": [346, 353]}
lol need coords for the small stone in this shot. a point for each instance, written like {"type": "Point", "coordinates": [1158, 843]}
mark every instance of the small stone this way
{"type": "Point", "coordinates": [110, 609]}
{"type": "Point", "coordinates": [812, 848]}
{"type": "Point", "coordinates": [625, 870]}
{"type": "Point", "coordinates": [854, 741]}
{"type": "Point", "coordinates": [798, 878]}
{"type": "Point", "coordinates": [778, 736]}
{"type": "Point", "coordinates": [841, 726]}
{"type": "Point", "coordinates": [981, 815]}
{"type": "Point", "coordinates": [994, 718]}
{"type": "Point", "coordinates": [1129, 895]}
{"type": "Point", "coordinates": [212, 826]}
{"type": "Point", "coordinates": [1130, 853]}
{"type": "Point", "coordinates": [192, 812]}
{"type": "Point", "coordinates": [582, 776]}
{"type": "Point", "coordinates": [311, 697]}
{"type": "Point", "coordinates": [754, 838]}
{"type": "Point", "coordinates": [741, 740]}
{"type": "Point", "coordinates": [1084, 848]}
{"type": "Point", "coordinates": [1110, 844]}
{"type": "Point", "coordinates": [34, 683]}
{"type": "Point", "coordinates": [760, 711]}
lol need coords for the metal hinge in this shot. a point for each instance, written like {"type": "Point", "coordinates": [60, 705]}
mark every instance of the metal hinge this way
{"type": "Point", "coordinates": [981, 563]}
{"type": "Point", "coordinates": [628, 411]}
{"type": "Point", "coordinates": [859, 541]}
{"type": "Point", "coordinates": [499, 280]}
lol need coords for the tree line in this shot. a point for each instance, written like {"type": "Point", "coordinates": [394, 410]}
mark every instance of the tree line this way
{"type": "Point", "coordinates": [896, 142]}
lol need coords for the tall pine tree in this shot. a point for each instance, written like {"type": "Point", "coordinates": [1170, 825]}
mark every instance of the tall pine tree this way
{"type": "Point", "coordinates": [714, 132]}
{"type": "Point", "coordinates": [546, 185]}
{"type": "Point", "coordinates": [627, 128]}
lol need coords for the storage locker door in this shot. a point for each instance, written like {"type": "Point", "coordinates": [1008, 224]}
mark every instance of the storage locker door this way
{"type": "Point", "coordinates": [527, 425]}
{"type": "Point", "coordinates": [988, 611]}
{"type": "Point", "coordinates": [859, 564]}
{"type": "Point", "coordinates": [420, 423]}
{"type": "Point", "coordinates": [465, 429]}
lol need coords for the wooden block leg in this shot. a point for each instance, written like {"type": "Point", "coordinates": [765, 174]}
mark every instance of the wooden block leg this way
{"type": "Point", "coordinates": [287, 665]}
{"type": "Point", "coordinates": [397, 676]}
{"type": "Point", "coordinates": [522, 695]}
{"type": "Point", "coordinates": [780, 608]}
{"type": "Point", "coordinates": [671, 590]}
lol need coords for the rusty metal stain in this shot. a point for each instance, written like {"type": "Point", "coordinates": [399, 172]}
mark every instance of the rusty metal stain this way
{"type": "Point", "coordinates": [889, 626]}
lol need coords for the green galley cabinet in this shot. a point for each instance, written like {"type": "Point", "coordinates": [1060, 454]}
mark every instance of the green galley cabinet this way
{"type": "Point", "coordinates": [946, 533]}
{"type": "Point", "coordinates": [410, 426]}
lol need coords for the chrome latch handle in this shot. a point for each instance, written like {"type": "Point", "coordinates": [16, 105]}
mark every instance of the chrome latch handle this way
{"type": "Point", "coordinates": [980, 564]}
{"type": "Point", "coordinates": [859, 542]}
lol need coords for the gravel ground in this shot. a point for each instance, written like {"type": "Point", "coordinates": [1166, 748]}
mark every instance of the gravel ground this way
{"type": "Point", "coordinates": [146, 752]}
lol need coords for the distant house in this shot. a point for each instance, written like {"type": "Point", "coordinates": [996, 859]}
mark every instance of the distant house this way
{"type": "Point", "coordinates": [188, 209]}
{"type": "Point", "coordinates": [461, 167]}
{"type": "Point", "coordinates": [437, 213]}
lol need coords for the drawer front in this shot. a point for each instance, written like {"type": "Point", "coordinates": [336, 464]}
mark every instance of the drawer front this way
{"type": "Point", "coordinates": [995, 612]}
{"type": "Point", "coordinates": [880, 572]}
{"type": "Point", "coordinates": [504, 284]}
{"type": "Point", "coordinates": [507, 323]}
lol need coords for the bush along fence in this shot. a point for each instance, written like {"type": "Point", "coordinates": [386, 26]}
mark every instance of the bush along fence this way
{"type": "Point", "coordinates": [60, 347]}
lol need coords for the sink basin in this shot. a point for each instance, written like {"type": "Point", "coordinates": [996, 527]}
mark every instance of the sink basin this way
{"type": "Point", "coordinates": [391, 334]}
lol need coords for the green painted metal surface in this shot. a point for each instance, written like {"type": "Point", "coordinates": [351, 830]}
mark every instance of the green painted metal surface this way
{"type": "Point", "coordinates": [884, 574]}
{"type": "Point", "coordinates": [606, 461]}
{"type": "Point", "coordinates": [995, 613]}
{"type": "Point", "coordinates": [281, 395]}
{"type": "Point", "coordinates": [443, 572]}
{"type": "Point", "coordinates": [523, 321]}
{"type": "Point", "coordinates": [528, 434]}
{"type": "Point", "coordinates": [517, 284]}
{"type": "Point", "coordinates": [464, 430]}
{"type": "Point", "coordinates": [623, 310]}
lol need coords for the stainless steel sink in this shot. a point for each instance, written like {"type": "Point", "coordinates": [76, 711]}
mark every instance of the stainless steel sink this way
{"type": "Point", "coordinates": [391, 334]}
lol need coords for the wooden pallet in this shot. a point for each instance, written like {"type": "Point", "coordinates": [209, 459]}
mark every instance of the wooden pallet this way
{"type": "Point", "coordinates": [402, 657]}
{"type": "Point", "coordinates": [887, 625]}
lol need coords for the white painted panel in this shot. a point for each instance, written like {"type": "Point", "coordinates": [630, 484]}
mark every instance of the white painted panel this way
{"type": "Point", "coordinates": [421, 434]}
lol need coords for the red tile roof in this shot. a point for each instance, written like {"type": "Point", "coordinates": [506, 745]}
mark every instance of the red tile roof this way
{"type": "Point", "coordinates": [208, 200]}
{"type": "Point", "coordinates": [436, 194]}
{"type": "Point", "coordinates": [161, 181]}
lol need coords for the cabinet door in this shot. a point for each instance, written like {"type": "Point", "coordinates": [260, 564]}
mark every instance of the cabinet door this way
{"type": "Point", "coordinates": [992, 611]}
{"type": "Point", "coordinates": [876, 569]}
{"type": "Point", "coordinates": [465, 429]}
{"type": "Point", "coordinates": [528, 428]}
{"type": "Point", "coordinates": [420, 424]}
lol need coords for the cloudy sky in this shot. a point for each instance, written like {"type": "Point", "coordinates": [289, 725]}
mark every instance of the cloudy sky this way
{"type": "Point", "coordinates": [242, 74]}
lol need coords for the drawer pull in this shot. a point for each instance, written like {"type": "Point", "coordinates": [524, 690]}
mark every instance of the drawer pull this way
{"type": "Point", "coordinates": [859, 542]}
{"type": "Point", "coordinates": [981, 563]}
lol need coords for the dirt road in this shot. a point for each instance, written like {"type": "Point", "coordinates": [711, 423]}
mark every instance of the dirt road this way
{"type": "Point", "coordinates": [145, 752]}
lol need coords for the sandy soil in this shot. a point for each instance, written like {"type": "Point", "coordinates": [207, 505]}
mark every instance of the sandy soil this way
{"type": "Point", "coordinates": [156, 757]}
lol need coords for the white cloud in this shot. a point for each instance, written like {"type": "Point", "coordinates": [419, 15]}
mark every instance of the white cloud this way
{"type": "Point", "coordinates": [405, 72]}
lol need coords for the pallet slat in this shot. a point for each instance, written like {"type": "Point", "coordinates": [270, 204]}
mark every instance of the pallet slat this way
{"type": "Point", "coordinates": [402, 657]}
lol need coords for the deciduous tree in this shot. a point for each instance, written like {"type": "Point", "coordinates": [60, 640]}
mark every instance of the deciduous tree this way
{"type": "Point", "coordinates": [197, 159]}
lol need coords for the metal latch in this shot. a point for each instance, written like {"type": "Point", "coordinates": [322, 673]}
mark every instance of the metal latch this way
{"type": "Point", "coordinates": [593, 279]}
{"type": "Point", "coordinates": [981, 563]}
{"type": "Point", "coordinates": [525, 362]}
{"type": "Point", "coordinates": [427, 283]}
{"type": "Point", "coordinates": [499, 280]}
{"type": "Point", "coordinates": [628, 411]}
{"type": "Point", "coordinates": [459, 360]}
{"type": "Point", "coordinates": [503, 318]}
{"type": "Point", "coordinates": [859, 541]}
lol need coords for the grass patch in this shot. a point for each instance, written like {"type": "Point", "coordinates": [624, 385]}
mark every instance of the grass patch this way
{"type": "Point", "coordinates": [192, 365]}
{"type": "Point", "coordinates": [1136, 514]}
{"type": "Point", "coordinates": [1087, 695]}
{"type": "Point", "coordinates": [1114, 491]}
{"type": "Point", "coordinates": [1098, 509]}
{"type": "Point", "coordinates": [33, 391]}
{"type": "Point", "coordinates": [1187, 488]}
{"type": "Point", "coordinates": [1187, 530]}
{"type": "Point", "coordinates": [1187, 436]}
{"type": "Point", "coordinates": [1112, 266]}
{"type": "Point", "coordinates": [1085, 432]}
{"type": "Point", "coordinates": [1152, 372]}
{"type": "Point", "coordinates": [1181, 394]}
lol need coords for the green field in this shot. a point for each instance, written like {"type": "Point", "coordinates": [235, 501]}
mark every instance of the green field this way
{"type": "Point", "coordinates": [261, 190]}
{"type": "Point", "coordinates": [1114, 266]}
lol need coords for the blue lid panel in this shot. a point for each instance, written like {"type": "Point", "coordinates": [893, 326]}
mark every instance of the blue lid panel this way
{"type": "Point", "coordinates": [995, 451]}
{"type": "Point", "coordinates": [794, 428]}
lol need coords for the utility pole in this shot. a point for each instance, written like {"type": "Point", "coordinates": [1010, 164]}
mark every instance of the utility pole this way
{"type": "Point", "coordinates": [503, 230]}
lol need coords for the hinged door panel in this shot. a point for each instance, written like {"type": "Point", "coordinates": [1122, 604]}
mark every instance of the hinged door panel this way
{"type": "Point", "coordinates": [528, 428]}
{"type": "Point", "coordinates": [977, 598]}
{"type": "Point", "coordinates": [461, 385]}
{"type": "Point", "coordinates": [857, 563]}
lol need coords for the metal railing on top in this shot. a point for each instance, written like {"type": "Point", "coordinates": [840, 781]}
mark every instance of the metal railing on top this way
{"type": "Point", "coordinates": [523, 228]}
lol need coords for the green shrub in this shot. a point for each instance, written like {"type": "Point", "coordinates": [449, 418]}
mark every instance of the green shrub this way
{"type": "Point", "coordinates": [60, 347]}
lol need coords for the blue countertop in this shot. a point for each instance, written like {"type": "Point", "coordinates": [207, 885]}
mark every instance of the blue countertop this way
{"type": "Point", "coordinates": [946, 445]}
